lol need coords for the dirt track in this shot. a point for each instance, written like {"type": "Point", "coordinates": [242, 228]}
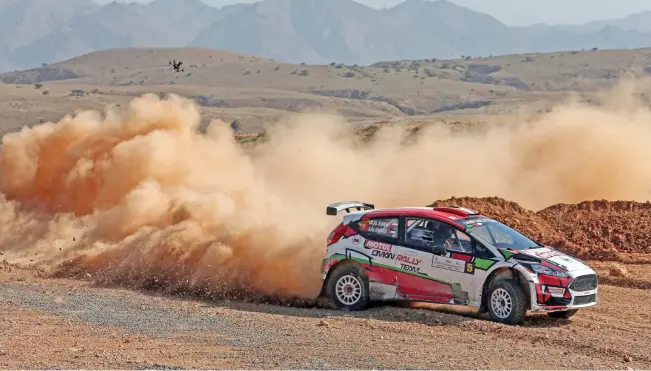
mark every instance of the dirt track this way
{"type": "Point", "coordinates": [71, 324]}
{"type": "Point", "coordinates": [144, 218]}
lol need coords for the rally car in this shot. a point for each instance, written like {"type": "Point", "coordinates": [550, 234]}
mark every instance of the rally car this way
{"type": "Point", "coordinates": [449, 255]}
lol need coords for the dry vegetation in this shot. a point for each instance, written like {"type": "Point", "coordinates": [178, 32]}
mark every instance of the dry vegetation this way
{"type": "Point", "coordinates": [257, 90]}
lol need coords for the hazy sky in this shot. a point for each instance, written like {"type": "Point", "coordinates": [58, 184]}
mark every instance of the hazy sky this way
{"type": "Point", "coordinates": [518, 12]}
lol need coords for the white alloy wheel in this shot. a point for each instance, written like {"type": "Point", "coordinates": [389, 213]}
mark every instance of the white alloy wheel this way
{"type": "Point", "coordinates": [348, 289]}
{"type": "Point", "coordinates": [501, 303]}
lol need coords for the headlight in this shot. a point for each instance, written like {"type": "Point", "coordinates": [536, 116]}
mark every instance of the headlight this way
{"type": "Point", "coordinates": [538, 268]}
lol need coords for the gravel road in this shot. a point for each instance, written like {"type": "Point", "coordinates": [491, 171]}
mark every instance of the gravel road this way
{"type": "Point", "coordinates": [71, 324]}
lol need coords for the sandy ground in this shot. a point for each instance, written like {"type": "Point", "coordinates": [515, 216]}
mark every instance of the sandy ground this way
{"type": "Point", "coordinates": [52, 323]}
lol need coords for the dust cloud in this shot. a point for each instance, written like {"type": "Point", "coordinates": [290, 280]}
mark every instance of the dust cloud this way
{"type": "Point", "coordinates": [139, 197]}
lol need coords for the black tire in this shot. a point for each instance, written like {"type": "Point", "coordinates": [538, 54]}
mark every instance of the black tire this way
{"type": "Point", "coordinates": [510, 305]}
{"type": "Point", "coordinates": [563, 314]}
{"type": "Point", "coordinates": [347, 277]}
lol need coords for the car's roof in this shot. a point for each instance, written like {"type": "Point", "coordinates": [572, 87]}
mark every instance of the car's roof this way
{"type": "Point", "coordinates": [449, 215]}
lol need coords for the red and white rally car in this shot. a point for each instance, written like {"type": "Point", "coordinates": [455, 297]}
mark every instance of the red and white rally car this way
{"type": "Point", "coordinates": [449, 255]}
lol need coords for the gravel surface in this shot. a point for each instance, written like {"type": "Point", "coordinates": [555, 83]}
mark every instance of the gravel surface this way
{"type": "Point", "coordinates": [70, 324]}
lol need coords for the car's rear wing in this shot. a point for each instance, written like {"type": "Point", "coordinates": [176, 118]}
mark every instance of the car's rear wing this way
{"type": "Point", "coordinates": [337, 207]}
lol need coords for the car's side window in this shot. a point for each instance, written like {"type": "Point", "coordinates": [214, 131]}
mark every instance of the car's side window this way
{"type": "Point", "coordinates": [380, 227]}
{"type": "Point", "coordinates": [426, 234]}
{"type": "Point", "coordinates": [462, 244]}
{"type": "Point", "coordinates": [418, 232]}
{"type": "Point", "coordinates": [466, 244]}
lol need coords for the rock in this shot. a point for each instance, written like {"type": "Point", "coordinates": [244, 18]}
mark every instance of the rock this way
{"type": "Point", "coordinates": [324, 323]}
{"type": "Point", "coordinates": [627, 359]}
{"type": "Point", "coordinates": [617, 270]}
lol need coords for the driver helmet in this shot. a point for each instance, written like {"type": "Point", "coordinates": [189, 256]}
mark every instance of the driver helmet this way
{"type": "Point", "coordinates": [444, 231]}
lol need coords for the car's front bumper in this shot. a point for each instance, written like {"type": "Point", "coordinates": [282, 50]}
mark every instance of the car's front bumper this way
{"type": "Point", "coordinates": [579, 297]}
{"type": "Point", "coordinates": [537, 307]}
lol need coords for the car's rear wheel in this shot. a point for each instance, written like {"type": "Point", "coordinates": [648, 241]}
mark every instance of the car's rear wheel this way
{"type": "Point", "coordinates": [348, 289]}
{"type": "Point", "coordinates": [563, 314]}
{"type": "Point", "coordinates": [507, 302]}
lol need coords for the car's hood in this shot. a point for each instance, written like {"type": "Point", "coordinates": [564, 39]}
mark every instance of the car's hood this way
{"type": "Point", "coordinates": [556, 257]}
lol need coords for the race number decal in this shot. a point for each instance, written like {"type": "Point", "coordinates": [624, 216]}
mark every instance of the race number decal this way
{"type": "Point", "coordinates": [455, 265]}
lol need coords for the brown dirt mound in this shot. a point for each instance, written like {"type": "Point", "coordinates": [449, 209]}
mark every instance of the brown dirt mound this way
{"type": "Point", "coordinates": [507, 212]}
{"type": "Point", "coordinates": [595, 230]}
{"type": "Point", "coordinates": [514, 215]}
{"type": "Point", "coordinates": [621, 227]}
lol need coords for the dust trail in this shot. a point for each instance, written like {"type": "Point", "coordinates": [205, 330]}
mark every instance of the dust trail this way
{"type": "Point", "coordinates": [139, 197]}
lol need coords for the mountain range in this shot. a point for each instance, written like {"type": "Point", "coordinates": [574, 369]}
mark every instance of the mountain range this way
{"type": "Point", "coordinates": [34, 32]}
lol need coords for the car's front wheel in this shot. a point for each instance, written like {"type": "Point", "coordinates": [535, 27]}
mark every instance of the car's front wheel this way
{"type": "Point", "coordinates": [507, 302]}
{"type": "Point", "coordinates": [348, 289]}
{"type": "Point", "coordinates": [563, 314]}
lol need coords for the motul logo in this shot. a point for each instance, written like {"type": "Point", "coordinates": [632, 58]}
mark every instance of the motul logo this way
{"type": "Point", "coordinates": [381, 246]}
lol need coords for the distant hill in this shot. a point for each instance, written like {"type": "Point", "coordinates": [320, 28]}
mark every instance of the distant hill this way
{"type": "Point", "coordinates": [224, 79]}
{"type": "Point", "coordinates": [33, 32]}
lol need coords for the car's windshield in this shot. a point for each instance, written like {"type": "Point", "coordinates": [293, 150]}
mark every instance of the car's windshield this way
{"type": "Point", "coordinates": [497, 234]}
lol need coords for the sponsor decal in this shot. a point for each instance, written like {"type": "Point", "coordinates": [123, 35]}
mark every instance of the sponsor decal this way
{"type": "Point", "coordinates": [410, 268]}
{"type": "Point", "coordinates": [387, 227]}
{"type": "Point", "coordinates": [380, 223]}
{"type": "Point", "coordinates": [407, 263]}
{"type": "Point", "coordinates": [356, 240]}
{"type": "Point", "coordinates": [375, 245]}
{"type": "Point", "coordinates": [364, 225]}
{"type": "Point", "coordinates": [475, 222]}
{"type": "Point", "coordinates": [556, 291]}
{"type": "Point", "coordinates": [548, 254]}
{"type": "Point", "coordinates": [408, 260]}
{"type": "Point", "coordinates": [454, 265]}
{"type": "Point", "coordinates": [383, 254]}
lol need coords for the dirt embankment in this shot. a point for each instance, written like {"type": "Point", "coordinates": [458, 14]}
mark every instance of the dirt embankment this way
{"type": "Point", "coordinates": [619, 228]}
{"type": "Point", "coordinates": [591, 230]}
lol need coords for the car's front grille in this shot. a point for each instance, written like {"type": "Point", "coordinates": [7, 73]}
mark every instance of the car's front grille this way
{"type": "Point", "coordinates": [585, 299]}
{"type": "Point", "coordinates": [584, 283]}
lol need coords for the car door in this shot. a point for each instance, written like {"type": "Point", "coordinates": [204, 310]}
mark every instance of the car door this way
{"type": "Point", "coordinates": [377, 252]}
{"type": "Point", "coordinates": [434, 271]}
{"type": "Point", "coordinates": [412, 263]}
